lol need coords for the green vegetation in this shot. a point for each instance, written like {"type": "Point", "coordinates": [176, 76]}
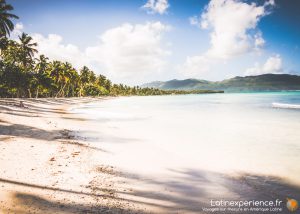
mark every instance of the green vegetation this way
{"type": "Point", "coordinates": [6, 25]}
{"type": "Point", "coordinates": [265, 82]}
{"type": "Point", "coordinates": [24, 73]}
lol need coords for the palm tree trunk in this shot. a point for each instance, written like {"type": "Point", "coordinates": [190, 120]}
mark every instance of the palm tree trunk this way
{"type": "Point", "coordinates": [60, 90]}
{"type": "Point", "coordinates": [68, 90]}
{"type": "Point", "coordinates": [37, 92]}
{"type": "Point", "coordinates": [63, 90]}
{"type": "Point", "coordinates": [57, 93]}
{"type": "Point", "coordinates": [29, 93]}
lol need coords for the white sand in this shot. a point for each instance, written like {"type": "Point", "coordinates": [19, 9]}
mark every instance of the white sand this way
{"type": "Point", "coordinates": [52, 163]}
{"type": "Point", "coordinates": [44, 169]}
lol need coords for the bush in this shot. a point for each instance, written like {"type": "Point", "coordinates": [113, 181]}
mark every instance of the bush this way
{"type": "Point", "coordinates": [94, 90]}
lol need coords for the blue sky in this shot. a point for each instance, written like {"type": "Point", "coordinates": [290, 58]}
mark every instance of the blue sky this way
{"type": "Point", "coordinates": [136, 41]}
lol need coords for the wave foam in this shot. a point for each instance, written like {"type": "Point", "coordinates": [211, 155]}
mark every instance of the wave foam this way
{"type": "Point", "coordinates": [286, 105]}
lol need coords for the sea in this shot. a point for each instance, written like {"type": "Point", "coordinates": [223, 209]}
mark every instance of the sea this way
{"type": "Point", "coordinates": [254, 133]}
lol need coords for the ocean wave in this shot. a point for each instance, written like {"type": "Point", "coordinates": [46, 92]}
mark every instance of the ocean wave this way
{"type": "Point", "coordinates": [286, 105]}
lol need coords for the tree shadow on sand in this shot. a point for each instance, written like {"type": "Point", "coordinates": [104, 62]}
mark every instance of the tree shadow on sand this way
{"type": "Point", "coordinates": [8, 131]}
{"type": "Point", "coordinates": [186, 191]}
{"type": "Point", "coordinates": [45, 105]}
{"type": "Point", "coordinates": [19, 130]}
{"type": "Point", "coordinates": [29, 203]}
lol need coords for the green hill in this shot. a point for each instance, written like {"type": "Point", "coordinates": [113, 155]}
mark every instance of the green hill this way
{"type": "Point", "coordinates": [265, 82]}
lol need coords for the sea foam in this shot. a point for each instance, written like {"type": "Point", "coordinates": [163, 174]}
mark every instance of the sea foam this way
{"type": "Point", "coordinates": [285, 105]}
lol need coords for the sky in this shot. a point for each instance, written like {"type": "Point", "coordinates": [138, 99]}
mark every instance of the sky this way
{"type": "Point", "coordinates": [139, 41]}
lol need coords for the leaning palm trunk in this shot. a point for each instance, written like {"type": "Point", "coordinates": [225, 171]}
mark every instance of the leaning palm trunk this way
{"type": "Point", "coordinates": [57, 94]}
{"type": "Point", "coordinates": [61, 91]}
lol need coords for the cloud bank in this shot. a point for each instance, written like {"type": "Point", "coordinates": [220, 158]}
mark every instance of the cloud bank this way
{"type": "Point", "coordinates": [272, 65]}
{"type": "Point", "coordinates": [121, 52]}
{"type": "Point", "coordinates": [233, 31]}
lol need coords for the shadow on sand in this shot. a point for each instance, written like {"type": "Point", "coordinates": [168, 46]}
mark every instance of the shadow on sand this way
{"type": "Point", "coordinates": [45, 105]}
{"type": "Point", "coordinates": [187, 191]}
{"type": "Point", "coordinates": [9, 131]}
{"type": "Point", "coordinates": [29, 203]}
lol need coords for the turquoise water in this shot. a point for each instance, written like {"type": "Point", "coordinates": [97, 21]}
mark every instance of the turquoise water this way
{"type": "Point", "coordinates": [254, 133]}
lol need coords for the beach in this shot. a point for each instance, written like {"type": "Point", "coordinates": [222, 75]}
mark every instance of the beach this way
{"type": "Point", "coordinates": [121, 155]}
{"type": "Point", "coordinates": [153, 106]}
{"type": "Point", "coordinates": [44, 169]}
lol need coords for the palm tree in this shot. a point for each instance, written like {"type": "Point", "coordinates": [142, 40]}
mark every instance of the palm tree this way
{"type": "Point", "coordinates": [67, 77]}
{"type": "Point", "coordinates": [42, 63]}
{"type": "Point", "coordinates": [86, 77]}
{"type": "Point", "coordinates": [6, 25]}
{"type": "Point", "coordinates": [28, 49]}
{"type": "Point", "coordinates": [73, 80]}
{"type": "Point", "coordinates": [56, 72]}
{"type": "Point", "coordinates": [3, 43]}
{"type": "Point", "coordinates": [43, 80]}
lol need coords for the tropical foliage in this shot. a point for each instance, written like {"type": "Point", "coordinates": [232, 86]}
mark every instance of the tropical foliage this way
{"type": "Point", "coordinates": [6, 25]}
{"type": "Point", "coordinates": [25, 73]}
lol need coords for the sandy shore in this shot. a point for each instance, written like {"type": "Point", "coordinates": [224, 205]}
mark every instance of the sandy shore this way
{"type": "Point", "coordinates": [45, 169]}
{"type": "Point", "coordinates": [48, 166]}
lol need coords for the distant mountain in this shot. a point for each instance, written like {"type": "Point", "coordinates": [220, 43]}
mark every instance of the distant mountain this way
{"type": "Point", "coordinates": [265, 82]}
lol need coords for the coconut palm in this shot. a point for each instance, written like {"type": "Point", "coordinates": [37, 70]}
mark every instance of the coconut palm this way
{"type": "Point", "coordinates": [42, 77]}
{"type": "Point", "coordinates": [73, 77]}
{"type": "Point", "coordinates": [86, 77]}
{"type": "Point", "coordinates": [28, 49]}
{"type": "Point", "coordinates": [56, 72]}
{"type": "Point", "coordinates": [6, 25]}
{"type": "Point", "coordinates": [42, 64]}
{"type": "Point", "coordinates": [3, 43]}
{"type": "Point", "coordinates": [67, 74]}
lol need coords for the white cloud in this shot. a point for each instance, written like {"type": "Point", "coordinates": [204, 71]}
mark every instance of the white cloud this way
{"type": "Point", "coordinates": [131, 49]}
{"type": "Point", "coordinates": [122, 52]}
{"type": "Point", "coordinates": [230, 22]}
{"type": "Point", "coordinates": [270, 3]}
{"type": "Point", "coordinates": [272, 65]}
{"type": "Point", "coordinates": [156, 6]}
{"type": "Point", "coordinates": [194, 20]}
{"type": "Point", "coordinates": [233, 26]}
{"type": "Point", "coordinates": [52, 46]}
{"type": "Point", "coordinates": [18, 29]}
{"type": "Point", "coordinates": [259, 40]}
{"type": "Point", "coordinates": [196, 66]}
